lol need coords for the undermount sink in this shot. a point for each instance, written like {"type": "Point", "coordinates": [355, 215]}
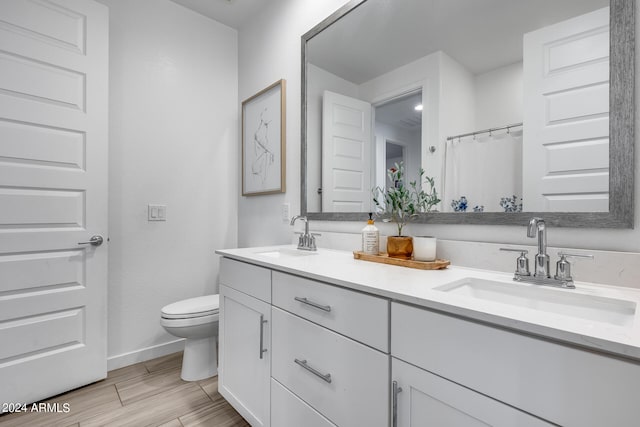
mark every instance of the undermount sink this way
{"type": "Point", "coordinates": [286, 252]}
{"type": "Point", "coordinates": [559, 301]}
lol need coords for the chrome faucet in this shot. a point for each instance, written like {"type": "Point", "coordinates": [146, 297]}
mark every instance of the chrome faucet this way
{"type": "Point", "coordinates": [306, 241]}
{"type": "Point", "coordinates": [541, 276]}
{"type": "Point", "coordinates": [538, 227]}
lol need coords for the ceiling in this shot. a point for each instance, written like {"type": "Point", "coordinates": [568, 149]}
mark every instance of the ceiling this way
{"type": "Point", "coordinates": [482, 35]}
{"type": "Point", "coordinates": [401, 112]}
{"type": "Point", "coordinates": [233, 13]}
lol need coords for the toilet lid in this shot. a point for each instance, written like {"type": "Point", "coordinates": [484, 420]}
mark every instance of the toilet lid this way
{"type": "Point", "coordinates": [192, 307]}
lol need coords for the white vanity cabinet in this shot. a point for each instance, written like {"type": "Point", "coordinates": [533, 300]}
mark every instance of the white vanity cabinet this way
{"type": "Point", "coordinates": [425, 399]}
{"type": "Point", "coordinates": [245, 340]}
{"type": "Point", "coordinates": [296, 351]}
{"type": "Point", "coordinates": [330, 349]}
{"type": "Point", "coordinates": [319, 356]}
{"type": "Point", "coordinates": [562, 384]}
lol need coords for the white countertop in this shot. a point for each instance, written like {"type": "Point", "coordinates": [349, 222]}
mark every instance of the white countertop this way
{"type": "Point", "coordinates": [418, 287]}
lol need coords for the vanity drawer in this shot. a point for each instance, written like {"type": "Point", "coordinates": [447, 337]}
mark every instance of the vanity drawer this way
{"type": "Point", "coordinates": [288, 410]}
{"type": "Point", "coordinates": [362, 317]}
{"type": "Point", "coordinates": [247, 278]}
{"type": "Point", "coordinates": [356, 390]}
{"type": "Point", "coordinates": [556, 382]}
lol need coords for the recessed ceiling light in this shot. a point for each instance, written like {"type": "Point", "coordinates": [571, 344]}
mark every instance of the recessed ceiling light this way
{"type": "Point", "coordinates": [418, 107]}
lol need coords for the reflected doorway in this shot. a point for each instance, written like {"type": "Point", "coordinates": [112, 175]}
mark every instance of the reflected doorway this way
{"type": "Point", "coordinates": [398, 136]}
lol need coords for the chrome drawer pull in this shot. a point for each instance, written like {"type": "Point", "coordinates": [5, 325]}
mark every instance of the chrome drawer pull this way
{"type": "Point", "coordinates": [262, 322]}
{"type": "Point", "coordinates": [303, 363]}
{"type": "Point", "coordinates": [326, 308]}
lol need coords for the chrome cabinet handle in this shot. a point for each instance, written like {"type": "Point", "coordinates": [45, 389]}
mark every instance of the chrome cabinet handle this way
{"type": "Point", "coordinates": [395, 391]}
{"type": "Point", "coordinates": [303, 363]}
{"type": "Point", "coordinates": [262, 350]}
{"type": "Point", "coordinates": [93, 241]}
{"type": "Point", "coordinates": [326, 308]}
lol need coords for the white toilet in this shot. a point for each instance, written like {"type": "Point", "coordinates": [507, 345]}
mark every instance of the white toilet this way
{"type": "Point", "coordinates": [195, 319]}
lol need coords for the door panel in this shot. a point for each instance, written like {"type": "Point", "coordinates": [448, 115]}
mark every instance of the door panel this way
{"type": "Point", "coordinates": [53, 195]}
{"type": "Point", "coordinates": [566, 116]}
{"type": "Point", "coordinates": [29, 144]}
{"type": "Point", "coordinates": [346, 154]}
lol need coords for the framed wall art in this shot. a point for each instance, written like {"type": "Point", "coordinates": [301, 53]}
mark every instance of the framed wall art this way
{"type": "Point", "coordinates": [263, 141]}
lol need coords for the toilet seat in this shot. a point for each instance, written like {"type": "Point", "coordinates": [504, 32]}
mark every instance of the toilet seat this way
{"type": "Point", "coordinates": [191, 321]}
{"type": "Point", "coordinates": [207, 305]}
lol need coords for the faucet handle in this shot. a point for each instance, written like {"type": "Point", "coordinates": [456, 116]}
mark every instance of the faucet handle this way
{"type": "Point", "coordinates": [563, 266]}
{"type": "Point", "coordinates": [570, 255]}
{"type": "Point", "coordinates": [522, 251]}
{"type": "Point", "coordinates": [522, 263]}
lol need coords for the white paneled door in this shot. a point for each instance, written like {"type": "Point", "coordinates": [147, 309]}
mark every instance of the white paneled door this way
{"type": "Point", "coordinates": [53, 196]}
{"type": "Point", "coordinates": [566, 116]}
{"type": "Point", "coordinates": [346, 154]}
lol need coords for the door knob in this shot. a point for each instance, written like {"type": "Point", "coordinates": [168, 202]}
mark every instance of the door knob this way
{"type": "Point", "coordinates": [93, 241]}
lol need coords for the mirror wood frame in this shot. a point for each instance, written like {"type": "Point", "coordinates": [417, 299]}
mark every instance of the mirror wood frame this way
{"type": "Point", "coordinates": [621, 139]}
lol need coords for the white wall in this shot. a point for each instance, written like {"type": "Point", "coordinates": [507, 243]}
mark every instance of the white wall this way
{"type": "Point", "coordinates": [269, 49]}
{"type": "Point", "coordinates": [261, 69]}
{"type": "Point", "coordinates": [174, 133]}
{"type": "Point", "coordinates": [499, 97]}
{"type": "Point", "coordinates": [457, 98]}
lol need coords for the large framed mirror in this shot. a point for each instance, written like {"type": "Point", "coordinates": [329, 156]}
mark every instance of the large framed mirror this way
{"type": "Point", "coordinates": [515, 109]}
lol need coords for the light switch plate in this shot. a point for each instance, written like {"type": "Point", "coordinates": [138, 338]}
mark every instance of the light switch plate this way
{"type": "Point", "coordinates": [286, 213]}
{"type": "Point", "coordinates": [157, 212]}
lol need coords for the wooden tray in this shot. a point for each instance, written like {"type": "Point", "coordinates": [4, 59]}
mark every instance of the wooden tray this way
{"type": "Point", "coordinates": [438, 264]}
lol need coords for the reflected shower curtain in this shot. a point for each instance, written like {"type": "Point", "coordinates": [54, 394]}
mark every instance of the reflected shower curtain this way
{"type": "Point", "coordinates": [483, 170]}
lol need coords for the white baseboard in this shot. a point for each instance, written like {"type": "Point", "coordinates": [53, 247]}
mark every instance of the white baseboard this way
{"type": "Point", "coordinates": [144, 354]}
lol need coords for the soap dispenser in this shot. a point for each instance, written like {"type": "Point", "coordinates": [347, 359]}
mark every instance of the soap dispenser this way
{"type": "Point", "coordinates": [370, 238]}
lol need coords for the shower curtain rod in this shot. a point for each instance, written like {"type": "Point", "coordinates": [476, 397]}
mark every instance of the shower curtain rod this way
{"type": "Point", "coordinates": [515, 125]}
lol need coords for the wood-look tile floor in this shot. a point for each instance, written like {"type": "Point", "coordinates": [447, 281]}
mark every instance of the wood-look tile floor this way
{"type": "Point", "coordinates": [145, 394]}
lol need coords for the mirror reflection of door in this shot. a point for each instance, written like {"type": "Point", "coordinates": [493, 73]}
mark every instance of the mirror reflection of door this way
{"type": "Point", "coordinates": [346, 154]}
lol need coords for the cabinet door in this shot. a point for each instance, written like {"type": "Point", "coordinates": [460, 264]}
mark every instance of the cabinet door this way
{"type": "Point", "coordinates": [428, 400]}
{"type": "Point", "coordinates": [245, 355]}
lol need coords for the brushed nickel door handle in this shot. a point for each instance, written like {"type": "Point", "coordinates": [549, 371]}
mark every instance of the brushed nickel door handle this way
{"type": "Point", "coordinates": [262, 349]}
{"type": "Point", "coordinates": [93, 241]}
{"type": "Point", "coordinates": [394, 392]}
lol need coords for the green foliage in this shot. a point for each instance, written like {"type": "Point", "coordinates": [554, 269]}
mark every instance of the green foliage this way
{"type": "Point", "coordinates": [400, 203]}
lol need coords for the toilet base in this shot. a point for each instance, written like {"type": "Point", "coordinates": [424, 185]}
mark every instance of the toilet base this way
{"type": "Point", "coordinates": [200, 359]}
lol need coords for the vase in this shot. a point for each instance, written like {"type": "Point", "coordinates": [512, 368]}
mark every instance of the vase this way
{"type": "Point", "coordinates": [400, 247]}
